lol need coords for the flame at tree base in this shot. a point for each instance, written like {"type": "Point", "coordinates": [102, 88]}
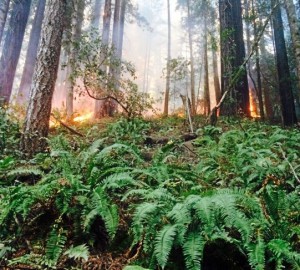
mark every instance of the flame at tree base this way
{"type": "Point", "coordinates": [83, 118]}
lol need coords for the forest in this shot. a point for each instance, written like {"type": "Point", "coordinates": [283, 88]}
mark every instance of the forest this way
{"type": "Point", "coordinates": [138, 135]}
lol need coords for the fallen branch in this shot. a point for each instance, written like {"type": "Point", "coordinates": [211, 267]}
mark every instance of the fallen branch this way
{"type": "Point", "coordinates": [67, 127]}
{"type": "Point", "coordinates": [212, 118]}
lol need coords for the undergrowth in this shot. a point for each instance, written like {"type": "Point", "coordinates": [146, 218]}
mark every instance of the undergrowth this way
{"type": "Point", "coordinates": [95, 195]}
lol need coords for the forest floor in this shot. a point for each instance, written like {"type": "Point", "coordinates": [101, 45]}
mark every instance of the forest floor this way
{"type": "Point", "coordinates": [147, 193]}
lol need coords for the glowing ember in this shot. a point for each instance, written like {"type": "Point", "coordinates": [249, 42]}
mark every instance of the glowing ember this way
{"type": "Point", "coordinates": [83, 118]}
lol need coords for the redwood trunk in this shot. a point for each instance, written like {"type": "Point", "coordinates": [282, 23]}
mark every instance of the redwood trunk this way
{"type": "Point", "coordinates": [36, 125]}
{"type": "Point", "coordinates": [232, 57]}
{"type": "Point", "coordinates": [31, 55]}
{"type": "Point", "coordinates": [285, 85]}
{"type": "Point", "coordinates": [12, 46]}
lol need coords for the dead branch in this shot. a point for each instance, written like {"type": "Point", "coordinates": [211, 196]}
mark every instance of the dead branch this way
{"type": "Point", "coordinates": [67, 127]}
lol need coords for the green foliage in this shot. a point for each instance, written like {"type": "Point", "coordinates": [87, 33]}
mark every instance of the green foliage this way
{"type": "Point", "coordinates": [87, 197]}
{"type": "Point", "coordinates": [129, 131]}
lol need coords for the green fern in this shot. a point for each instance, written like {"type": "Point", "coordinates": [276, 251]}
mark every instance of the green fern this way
{"type": "Point", "coordinates": [193, 250]}
{"type": "Point", "coordinates": [78, 252]}
{"type": "Point", "coordinates": [163, 244]}
{"type": "Point", "coordinates": [55, 245]}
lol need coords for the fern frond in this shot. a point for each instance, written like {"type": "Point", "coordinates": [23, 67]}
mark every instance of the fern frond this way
{"type": "Point", "coordinates": [78, 252]}
{"type": "Point", "coordinates": [256, 254]}
{"type": "Point", "coordinates": [163, 244]}
{"type": "Point", "coordinates": [25, 172]}
{"type": "Point", "coordinates": [193, 250]}
{"type": "Point", "coordinates": [134, 267]}
{"type": "Point", "coordinates": [55, 245]}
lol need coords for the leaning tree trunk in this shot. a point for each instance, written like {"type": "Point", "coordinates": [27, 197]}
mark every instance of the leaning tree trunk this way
{"type": "Point", "coordinates": [12, 47]}
{"type": "Point", "coordinates": [193, 98]}
{"type": "Point", "coordinates": [77, 20]}
{"type": "Point", "coordinates": [4, 5]}
{"type": "Point", "coordinates": [36, 125]}
{"type": "Point", "coordinates": [232, 57]}
{"type": "Point", "coordinates": [167, 93]}
{"type": "Point", "coordinates": [295, 34]}
{"type": "Point", "coordinates": [99, 104]}
{"type": "Point", "coordinates": [285, 85]}
{"type": "Point", "coordinates": [23, 94]}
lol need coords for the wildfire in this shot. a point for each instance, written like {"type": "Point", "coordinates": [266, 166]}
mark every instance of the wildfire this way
{"type": "Point", "coordinates": [83, 118]}
{"type": "Point", "coordinates": [253, 106]}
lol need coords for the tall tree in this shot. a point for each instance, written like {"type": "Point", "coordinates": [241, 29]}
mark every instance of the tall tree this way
{"type": "Point", "coordinates": [189, 22]}
{"type": "Point", "coordinates": [168, 77]}
{"type": "Point", "coordinates": [36, 125]}
{"type": "Point", "coordinates": [96, 14]}
{"type": "Point", "coordinates": [77, 20]}
{"type": "Point", "coordinates": [99, 104]}
{"type": "Point", "coordinates": [206, 73]}
{"type": "Point", "coordinates": [285, 85]}
{"type": "Point", "coordinates": [294, 24]}
{"type": "Point", "coordinates": [232, 57]}
{"type": "Point", "coordinates": [12, 46]}
{"type": "Point", "coordinates": [32, 51]}
{"type": "Point", "coordinates": [4, 6]}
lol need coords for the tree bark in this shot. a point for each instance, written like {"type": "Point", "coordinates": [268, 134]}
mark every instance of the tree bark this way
{"type": "Point", "coordinates": [232, 57]}
{"type": "Point", "coordinates": [36, 125]}
{"type": "Point", "coordinates": [12, 46]}
{"type": "Point", "coordinates": [23, 94]}
{"type": "Point", "coordinates": [4, 6]}
{"type": "Point", "coordinates": [96, 14]}
{"type": "Point", "coordinates": [99, 110]}
{"type": "Point", "coordinates": [167, 92]}
{"type": "Point", "coordinates": [295, 34]}
{"type": "Point", "coordinates": [206, 74]}
{"type": "Point", "coordinates": [285, 85]}
{"type": "Point", "coordinates": [193, 98]}
{"type": "Point", "coordinates": [77, 21]}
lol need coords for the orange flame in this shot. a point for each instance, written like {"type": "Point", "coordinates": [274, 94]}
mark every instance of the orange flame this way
{"type": "Point", "coordinates": [253, 106]}
{"type": "Point", "coordinates": [83, 118]}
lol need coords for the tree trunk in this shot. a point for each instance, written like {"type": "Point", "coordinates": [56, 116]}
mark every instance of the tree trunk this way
{"type": "Point", "coordinates": [36, 125]}
{"type": "Point", "coordinates": [232, 57]}
{"type": "Point", "coordinates": [257, 65]}
{"type": "Point", "coordinates": [121, 32]}
{"type": "Point", "coordinates": [4, 6]}
{"type": "Point", "coordinates": [206, 74]}
{"type": "Point", "coordinates": [12, 46]}
{"type": "Point", "coordinates": [77, 20]}
{"type": "Point", "coordinates": [23, 94]}
{"type": "Point", "coordinates": [216, 76]}
{"type": "Point", "coordinates": [99, 104]}
{"type": "Point", "coordinates": [285, 85]}
{"type": "Point", "coordinates": [167, 93]}
{"type": "Point", "coordinates": [96, 14]}
{"type": "Point", "coordinates": [193, 98]}
{"type": "Point", "coordinates": [295, 34]}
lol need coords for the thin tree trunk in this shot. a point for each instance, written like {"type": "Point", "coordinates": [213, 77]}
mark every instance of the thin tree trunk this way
{"type": "Point", "coordinates": [4, 6]}
{"type": "Point", "coordinates": [99, 104]}
{"type": "Point", "coordinates": [258, 71]}
{"type": "Point", "coordinates": [216, 76]}
{"type": "Point", "coordinates": [36, 125]}
{"type": "Point", "coordinates": [295, 34]}
{"type": "Point", "coordinates": [96, 14]}
{"type": "Point", "coordinates": [206, 80]}
{"type": "Point", "coordinates": [167, 93]}
{"type": "Point", "coordinates": [76, 33]}
{"type": "Point", "coordinates": [285, 85]}
{"type": "Point", "coordinates": [193, 98]}
{"type": "Point", "coordinates": [23, 94]}
{"type": "Point", "coordinates": [12, 46]}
